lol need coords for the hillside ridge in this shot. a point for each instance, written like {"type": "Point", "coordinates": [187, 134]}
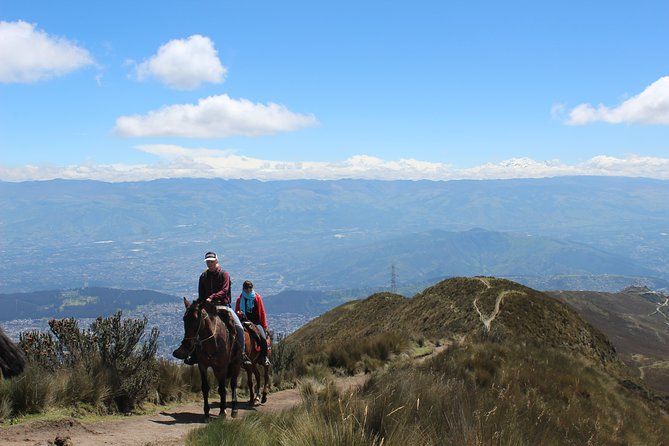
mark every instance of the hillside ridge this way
{"type": "Point", "coordinates": [478, 308]}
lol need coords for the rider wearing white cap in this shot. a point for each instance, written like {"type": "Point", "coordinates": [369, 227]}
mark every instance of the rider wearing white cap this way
{"type": "Point", "coordinates": [214, 286]}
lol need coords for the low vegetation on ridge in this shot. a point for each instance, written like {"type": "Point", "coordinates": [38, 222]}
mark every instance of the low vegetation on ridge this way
{"type": "Point", "coordinates": [536, 373]}
{"type": "Point", "coordinates": [109, 368]}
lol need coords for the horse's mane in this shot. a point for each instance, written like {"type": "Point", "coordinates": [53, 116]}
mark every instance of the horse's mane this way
{"type": "Point", "coordinates": [211, 312]}
{"type": "Point", "coordinates": [12, 360]}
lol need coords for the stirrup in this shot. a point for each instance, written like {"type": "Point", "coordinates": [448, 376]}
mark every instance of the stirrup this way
{"type": "Point", "coordinates": [246, 360]}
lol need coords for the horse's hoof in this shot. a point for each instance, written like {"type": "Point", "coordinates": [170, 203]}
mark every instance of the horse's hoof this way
{"type": "Point", "coordinates": [256, 401]}
{"type": "Point", "coordinates": [205, 419]}
{"type": "Point", "coordinates": [233, 414]}
{"type": "Point", "coordinates": [264, 399]}
{"type": "Point", "coordinates": [222, 414]}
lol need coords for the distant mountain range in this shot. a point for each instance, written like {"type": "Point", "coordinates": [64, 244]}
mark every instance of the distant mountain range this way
{"type": "Point", "coordinates": [79, 303]}
{"type": "Point", "coordinates": [468, 253]}
{"type": "Point", "coordinates": [295, 234]}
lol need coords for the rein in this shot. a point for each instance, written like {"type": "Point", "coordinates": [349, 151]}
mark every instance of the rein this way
{"type": "Point", "coordinates": [197, 334]}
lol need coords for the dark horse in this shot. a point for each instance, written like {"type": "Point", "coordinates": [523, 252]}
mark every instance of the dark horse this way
{"type": "Point", "coordinates": [257, 360]}
{"type": "Point", "coordinates": [12, 360]}
{"type": "Point", "coordinates": [206, 332]}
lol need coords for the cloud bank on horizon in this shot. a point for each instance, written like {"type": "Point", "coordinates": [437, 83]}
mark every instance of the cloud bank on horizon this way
{"type": "Point", "coordinates": [181, 162]}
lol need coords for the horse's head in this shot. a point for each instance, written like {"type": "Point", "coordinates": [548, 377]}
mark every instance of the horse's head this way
{"type": "Point", "coordinates": [193, 320]}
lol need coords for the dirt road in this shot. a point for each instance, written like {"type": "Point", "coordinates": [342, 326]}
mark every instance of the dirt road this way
{"type": "Point", "coordinates": [168, 427]}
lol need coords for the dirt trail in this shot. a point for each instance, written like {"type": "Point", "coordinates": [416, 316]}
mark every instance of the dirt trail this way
{"type": "Point", "coordinates": [654, 365]}
{"type": "Point", "coordinates": [168, 427]}
{"type": "Point", "coordinates": [659, 310]}
{"type": "Point", "coordinates": [487, 320]}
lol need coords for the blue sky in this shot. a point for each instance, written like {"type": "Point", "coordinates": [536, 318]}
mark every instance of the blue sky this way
{"type": "Point", "coordinates": [455, 85]}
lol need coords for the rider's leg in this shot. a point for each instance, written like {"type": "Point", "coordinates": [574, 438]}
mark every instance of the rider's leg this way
{"type": "Point", "coordinates": [263, 335]}
{"type": "Point", "coordinates": [240, 335]}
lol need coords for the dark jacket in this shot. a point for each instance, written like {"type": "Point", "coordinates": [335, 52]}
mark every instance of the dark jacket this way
{"type": "Point", "coordinates": [215, 285]}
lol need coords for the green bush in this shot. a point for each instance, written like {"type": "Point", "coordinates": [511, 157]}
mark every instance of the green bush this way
{"type": "Point", "coordinates": [31, 392]}
{"type": "Point", "coordinates": [5, 404]}
{"type": "Point", "coordinates": [379, 347]}
{"type": "Point", "coordinates": [173, 381]}
{"type": "Point", "coordinates": [109, 367]}
{"type": "Point", "coordinates": [81, 386]}
{"type": "Point", "coordinates": [132, 367]}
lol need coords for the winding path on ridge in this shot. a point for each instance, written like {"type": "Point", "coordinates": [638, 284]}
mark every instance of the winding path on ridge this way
{"type": "Point", "coordinates": [659, 311]}
{"type": "Point", "coordinates": [167, 427]}
{"type": "Point", "coordinates": [487, 320]}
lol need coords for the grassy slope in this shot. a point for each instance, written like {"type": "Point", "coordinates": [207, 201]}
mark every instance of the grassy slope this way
{"type": "Point", "coordinates": [480, 393]}
{"type": "Point", "coordinates": [446, 310]}
{"type": "Point", "coordinates": [541, 375]}
{"type": "Point", "coordinates": [641, 339]}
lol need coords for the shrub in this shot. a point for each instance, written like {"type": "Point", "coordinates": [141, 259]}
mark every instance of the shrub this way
{"type": "Point", "coordinates": [5, 403]}
{"type": "Point", "coordinates": [31, 392]}
{"type": "Point", "coordinates": [380, 347]}
{"type": "Point", "coordinates": [82, 386]}
{"type": "Point", "coordinates": [131, 366]}
{"type": "Point", "coordinates": [173, 381]}
{"type": "Point", "coordinates": [110, 366]}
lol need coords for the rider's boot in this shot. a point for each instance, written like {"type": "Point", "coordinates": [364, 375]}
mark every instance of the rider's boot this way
{"type": "Point", "coordinates": [191, 360]}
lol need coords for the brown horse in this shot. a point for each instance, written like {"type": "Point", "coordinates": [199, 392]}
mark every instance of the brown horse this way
{"type": "Point", "coordinates": [206, 332]}
{"type": "Point", "coordinates": [257, 360]}
{"type": "Point", "coordinates": [12, 360]}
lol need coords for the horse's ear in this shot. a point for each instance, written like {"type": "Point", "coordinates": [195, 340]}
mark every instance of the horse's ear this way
{"type": "Point", "coordinates": [186, 303]}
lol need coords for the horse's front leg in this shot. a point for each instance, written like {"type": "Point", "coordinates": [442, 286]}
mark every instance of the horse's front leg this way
{"type": "Point", "coordinates": [266, 385]}
{"type": "Point", "coordinates": [249, 380]}
{"type": "Point", "coordinates": [221, 392]}
{"type": "Point", "coordinates": [256, 373]}
{"type": "Point", "coordinates": [233, 389]}
{"type": "Point", "coordinates": [205, 391]}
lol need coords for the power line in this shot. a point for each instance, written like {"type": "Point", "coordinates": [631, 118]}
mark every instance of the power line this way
{"type": "Point", "coordinates": [393, 279]}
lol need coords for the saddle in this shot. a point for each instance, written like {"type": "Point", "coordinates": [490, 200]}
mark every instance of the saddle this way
{"type": "Point", "coordinates": [253, 331]}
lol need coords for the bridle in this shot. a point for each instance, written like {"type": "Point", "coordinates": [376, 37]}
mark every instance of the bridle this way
{"type": "Point", "coordinates": [199, 341]}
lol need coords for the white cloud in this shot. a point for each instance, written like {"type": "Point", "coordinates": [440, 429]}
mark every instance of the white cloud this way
{"type": "Point", "coordinates": [651, 106]}
{"type": "Point", "coordinates": [28, 54]}
{"type": "Point", "coordinates": [179, 162]}
{"type": "Point", "coordinates": [214, 117]}
{"type": "Point", "coordinates": [184, 64]}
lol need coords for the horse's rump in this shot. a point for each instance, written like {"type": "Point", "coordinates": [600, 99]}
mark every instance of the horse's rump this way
{"type": "Point", "coordinates": [254, 333]}
{"type": "Point", "coordinates": [12, 360]}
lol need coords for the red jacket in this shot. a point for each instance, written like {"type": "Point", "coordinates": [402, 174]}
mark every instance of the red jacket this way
{"type": "Point", "coordinates": [257, 315]}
